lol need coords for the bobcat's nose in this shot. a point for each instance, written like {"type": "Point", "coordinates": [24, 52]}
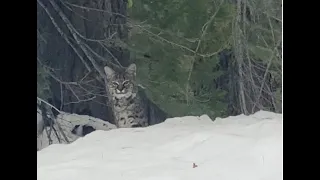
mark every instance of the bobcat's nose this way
{"type": "Point", "coordinates": [120, 87]}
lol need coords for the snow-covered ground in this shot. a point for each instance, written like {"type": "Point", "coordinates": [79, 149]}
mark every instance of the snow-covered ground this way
{"type": "Point", "coordinates": [186, 148]}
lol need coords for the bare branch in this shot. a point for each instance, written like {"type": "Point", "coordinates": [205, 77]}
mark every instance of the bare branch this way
{"type": "Point", "coordinates": [79, 42]}
{"type": "Point", "coordinates": [101, 58]}
{"type": "Point", "coordinates": [175, 44]}
{"type": "Point", "coordinates": [60, 129]}
{"type": "Point", "coordinates": [204, 31]}
{"type": "Point", "coordinates": [70, 9]}
{"type": "Point", "coordinates": [61, 82]}
{"type": "Point", "coordinates": [41, 37]}
{"type": "Point", "coordinates": [114, 58]}
{"type": "Point", "coordinates": [81, 100]}
{"type": "Point", "coordinates": [95, 9]}
{"type": "Point", "coordinates": [63, 35]}
{"type": "Point", "coordinates": [264, 79]}
{"type": "Point", "coordinates": [73, 92]}
{"type": "Point", "coordinates": [41, 100]}
{"type": "Point", "coordinates": [61, 95]}
{"type": "Point", "coordinates": [73, 32]}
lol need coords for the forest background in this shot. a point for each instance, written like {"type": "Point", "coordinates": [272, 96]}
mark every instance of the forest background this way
{"type": "Point", "coordinates": [194, 57]}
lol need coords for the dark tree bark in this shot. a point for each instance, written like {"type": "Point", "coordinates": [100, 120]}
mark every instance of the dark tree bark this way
{"type": "Point", "coordinates": [100, 24]}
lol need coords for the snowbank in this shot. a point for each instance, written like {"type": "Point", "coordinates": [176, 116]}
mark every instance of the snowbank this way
{"type": "Point", "coordinates": [65, 123]}
{"type": "Point", "coordinates": [186, 148]}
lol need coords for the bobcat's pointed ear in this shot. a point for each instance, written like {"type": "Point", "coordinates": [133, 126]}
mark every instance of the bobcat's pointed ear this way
{"type": "Point", "coordinates": [109, 72]}
{"type": "Point", "coordinates": [131, 69]}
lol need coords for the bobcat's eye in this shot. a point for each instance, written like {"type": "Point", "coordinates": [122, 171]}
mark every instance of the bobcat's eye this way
{"type": "Point", "coordinates": [126, 83]}
{"type": "Point", "coordinates": [115, 84]}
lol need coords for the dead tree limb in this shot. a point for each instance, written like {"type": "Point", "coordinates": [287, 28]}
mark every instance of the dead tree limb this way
{"type": "Point", "coordinates": [64, 36]}
{"type": "Point", "coordinates": [239, 57]}
{"type": "Point", "coordinates": [60, 129]}
{"type": "Point", "coordinates": [204, 31]}
{"type": "Point", "coordinates": [76, 38]}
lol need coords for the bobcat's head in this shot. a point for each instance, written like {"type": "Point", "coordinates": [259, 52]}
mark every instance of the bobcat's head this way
{"type": "Point", "coordinates": [121, 84]}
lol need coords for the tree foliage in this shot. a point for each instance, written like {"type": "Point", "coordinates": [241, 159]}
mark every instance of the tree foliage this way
{"type": "Point", "coordinates": [215, 57]}
{"type": "Point", "coordinates": [183, 40]}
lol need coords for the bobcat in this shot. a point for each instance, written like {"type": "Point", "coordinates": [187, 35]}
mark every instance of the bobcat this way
{"type": "Point", "coordinates": [131, 106]}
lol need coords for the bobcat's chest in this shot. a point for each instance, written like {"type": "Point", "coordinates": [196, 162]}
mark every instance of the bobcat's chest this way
{"type": "Point", "coordinates": [129, 112]}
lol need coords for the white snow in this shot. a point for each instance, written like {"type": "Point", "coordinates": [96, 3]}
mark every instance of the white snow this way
{"type": "Point", "coordinates": [233, 148]}
{"type": "Point", "coordinates": [67, 122]}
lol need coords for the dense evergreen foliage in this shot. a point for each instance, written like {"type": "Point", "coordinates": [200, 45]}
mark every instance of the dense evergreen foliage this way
{"type": "Point", "coordinates": [183, 38]}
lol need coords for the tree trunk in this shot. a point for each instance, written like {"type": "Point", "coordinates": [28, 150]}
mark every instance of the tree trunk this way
{"type": "Point", "coordinates": [98, 22]}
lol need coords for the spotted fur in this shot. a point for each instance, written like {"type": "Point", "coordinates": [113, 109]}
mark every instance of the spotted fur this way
{"type": "Point", "coordinates": [131, 107]}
